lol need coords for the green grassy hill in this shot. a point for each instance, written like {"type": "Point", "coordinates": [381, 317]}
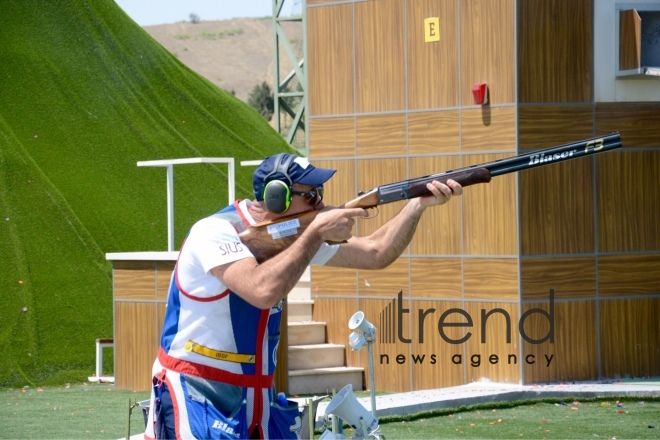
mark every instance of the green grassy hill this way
{"type": "Point", "coordinates": [85, 94]}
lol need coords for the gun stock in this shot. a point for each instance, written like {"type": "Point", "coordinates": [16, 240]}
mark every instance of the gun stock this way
{"type": "Point", "coordinates": [268, 239]}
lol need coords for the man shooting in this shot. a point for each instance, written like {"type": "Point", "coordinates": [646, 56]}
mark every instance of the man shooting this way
{"type": "Point", "coordinates": [214, 373]}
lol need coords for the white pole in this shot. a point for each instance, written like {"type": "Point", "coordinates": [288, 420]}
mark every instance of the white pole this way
{"type": "Point", "coordinates": [170, 208]}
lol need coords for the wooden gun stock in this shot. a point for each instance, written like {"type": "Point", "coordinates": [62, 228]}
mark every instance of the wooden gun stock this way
{"type": "Point", "coordinates": [268, 239]}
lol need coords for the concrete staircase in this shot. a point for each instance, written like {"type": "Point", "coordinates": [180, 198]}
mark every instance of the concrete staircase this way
{"type": "Point", "coordinates": [315, 366]}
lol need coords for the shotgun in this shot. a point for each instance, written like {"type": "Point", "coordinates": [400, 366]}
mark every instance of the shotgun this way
{"type": "Point", "coordinates": [267, 239]}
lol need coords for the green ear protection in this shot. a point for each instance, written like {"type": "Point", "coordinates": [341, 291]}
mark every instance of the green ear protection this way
{"type": "Point", "coordinates": [277, 194]}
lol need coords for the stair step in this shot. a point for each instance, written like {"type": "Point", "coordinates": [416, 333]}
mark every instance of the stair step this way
{"type": "Point", "coordinates": [306, 333]}
{"type": "Point", "coordinates": [305, 357]}
{"type": "Point", "coordinates": [323, 380]}
{"type": "Point", "coordinates": [299, 310]}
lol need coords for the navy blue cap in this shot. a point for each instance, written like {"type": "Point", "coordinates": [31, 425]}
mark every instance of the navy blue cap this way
{"type": "Point", "coordinates": [299, 171]}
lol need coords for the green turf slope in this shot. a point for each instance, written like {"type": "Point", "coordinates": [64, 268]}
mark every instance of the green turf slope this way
{"type": "Point", "coordinates": [85, 94]}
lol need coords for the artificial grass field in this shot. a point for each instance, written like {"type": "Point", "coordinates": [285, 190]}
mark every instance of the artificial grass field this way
{"type": "Point", "coordinates": [86, 94]}
{"type": "Point", "coordinates": [98, 411]}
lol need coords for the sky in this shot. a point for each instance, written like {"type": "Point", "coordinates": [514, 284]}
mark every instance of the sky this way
{"type": "Point", "coordinates": [152, 12]}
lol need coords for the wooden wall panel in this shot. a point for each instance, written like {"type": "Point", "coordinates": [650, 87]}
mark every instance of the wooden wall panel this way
{"type": "Point", "coordinates": [392, 376]}
{"type": "Point", "coordinates": [379, 54]}
{"type": "Point", "coordinates": [332, 137]}
{"type": "Point", "coordinates": [557, 208]}
{"type": "Point", "coordinates": [385, 282]}
{"type": "Point", "coordinates": [136, 344]}
{"type": "Point", "coordinates": [490, 278]}
{"type": "Point", "coordinates": [443, 373]}
{"type": "Point", "coordinates": [555, 51]}
{"type": "Point", "coordinates": [163, 278]}
{"type": "Point", "coordinates": [161, 309]}
{"type": "Point", "coordinates": [482, 345]}
{"type": "Point", "coordinates": [434, 132]}
{"type": "Point", "coordinates": [570, 277]}
{"type": "Point", "coordinates": [433, 66]}
{"type": "Point", "coordinates": [341, 188]}
{"type": "Point", "coordinates": [630, 337]}
{"type": "Point", "coordinates": [382, 135]}
{"type": "Point", "coordinates": [552, 125]}
{"type": "Point", "coordinates": [323, 2]}
{"type": "Point", "coordinates": [574, 352]}
{"type": "Point", "coordinates": [134, 280]}
{"type": "Point", "coordinates": [439, 229]}
{"type": "Point", "coordinates": [333, 281]}
{"type": "Point", "coordinates": [487, 49]}
{"type": "Point", "coordinates": [330, 49]}
{"type": "Point", "coordinates": [630, 44]}
{"type": "Point", "coordinates": [638, 122]}
{"type": "Point", "coordinates": [488, 129]}
{"type": "Point", "coordinates": [628, 201]}
{"type": "Point", "coordinates": [629, 275]}
{"type": "Point", "coordinates": [374, 172]}
{"type": "Point", "coordinates": [489, 213]}
{"type": "Point", "coordinates": [336, 312]}
{"type": "Point", "coordinates": [436, 277]}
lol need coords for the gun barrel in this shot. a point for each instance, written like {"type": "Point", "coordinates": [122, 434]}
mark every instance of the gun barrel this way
{"type": "Point", "coordinates": [552, 155]}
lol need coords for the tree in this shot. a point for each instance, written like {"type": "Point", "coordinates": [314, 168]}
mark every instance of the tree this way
{"type": "Point", "coordinates": [194, 18]}
{"type": "Point", "coordinates": [261, 98]}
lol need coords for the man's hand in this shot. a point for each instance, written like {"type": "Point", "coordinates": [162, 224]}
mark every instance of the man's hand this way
{"type": "Point", "coordinates": [441, 193]}
{"type": "Point", "coordinates": [336, 224]}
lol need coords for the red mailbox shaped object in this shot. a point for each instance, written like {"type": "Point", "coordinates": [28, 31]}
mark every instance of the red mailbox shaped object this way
{"type": "Point", "coordinates": [480, 93]}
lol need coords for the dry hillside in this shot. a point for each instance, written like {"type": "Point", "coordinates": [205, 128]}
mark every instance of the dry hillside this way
{"type": "Point", "coordinates": [234, 54]}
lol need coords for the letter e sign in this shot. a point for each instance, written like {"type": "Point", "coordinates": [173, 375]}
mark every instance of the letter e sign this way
{"type": "Point", "coordinates": [431, 29]}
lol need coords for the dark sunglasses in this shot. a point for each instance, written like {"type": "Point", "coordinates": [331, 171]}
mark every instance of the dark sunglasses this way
{"type": "Point", "coordinates": [315, 195]}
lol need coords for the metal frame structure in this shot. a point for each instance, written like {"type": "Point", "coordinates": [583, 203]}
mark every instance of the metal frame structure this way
{"type": "Point", "coordinates": [299, 71]}
{"type": "Point", "coordinates": [231, 184]}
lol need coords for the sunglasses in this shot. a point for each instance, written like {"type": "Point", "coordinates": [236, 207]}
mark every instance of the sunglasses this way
{"type": "Point", "coordinates": [315, 195]}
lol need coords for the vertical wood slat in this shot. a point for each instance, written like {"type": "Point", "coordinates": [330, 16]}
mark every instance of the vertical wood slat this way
{"type": "Point", "coordinates": [432, 66]}
{"type": "Point", "coordinates": [379, 40]}
{"type": "Point", "coordinates": [489, 213]}
{"type": "Point", "coordinates": [439, 230]}
{"type": "Point", "coordinates": [330, 49]}
{"type": "Point", "coordinates": [633, 351]}
{"type": "Point", "coordinates": [555, 51]}
{"type": "Point", "coordinates": [628, 196]}
{"type": "Point", "coordinates": [443, 373]}
{"type": "Point", "coordinates": [574, 349]}
{"type": "Point", "coordinates": [487, 52]}
{"type": "Point", "coordinates": [630, 40]}
{"type": "Point", "coordinates": [136, 344]}
{"type": "Point", "coordinates": [557, 208]}
{"type": "Point", "coordinates": [503, 368]}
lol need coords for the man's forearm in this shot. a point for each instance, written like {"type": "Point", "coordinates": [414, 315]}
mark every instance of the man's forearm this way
{"type": "Point", "coordinates": [390, 240]}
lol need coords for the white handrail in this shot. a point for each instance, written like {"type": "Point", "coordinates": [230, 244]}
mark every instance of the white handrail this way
{"type": "Point", "coordinates": [169, 163]}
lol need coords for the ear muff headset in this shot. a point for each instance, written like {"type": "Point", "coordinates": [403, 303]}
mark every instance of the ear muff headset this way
{"type": "Point", "coordinates": [277, 194]}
